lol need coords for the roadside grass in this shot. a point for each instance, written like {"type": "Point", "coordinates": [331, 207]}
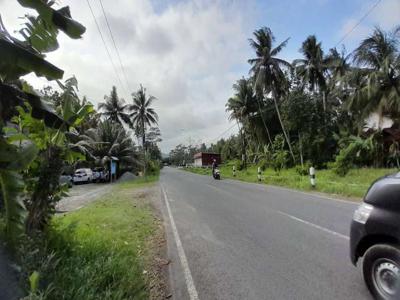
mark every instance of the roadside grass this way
{"type": "Point", "coordinates": [354, 185]}
{"type": "Point", "coordinates": [100, 251]}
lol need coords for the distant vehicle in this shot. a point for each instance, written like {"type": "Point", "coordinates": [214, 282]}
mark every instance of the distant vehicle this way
{"type": "Point", "coordinates": [217, 174]}
{"type": "Point", "coordinates": [83, 175]}
{"type": "Point", "coordinates": [100, 174]}
{"type": "Point", "coordinates": [375, 235]}
{"type": "Point", "coordinates": [66, 179]}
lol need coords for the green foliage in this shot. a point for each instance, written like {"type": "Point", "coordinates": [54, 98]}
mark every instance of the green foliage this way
{"type": "Point", "coordinates": [152, 167]}
{"type": "Point", "coordinates": [103, 246]}
{"type": "Point", "coordinates": [356, 150]}
{"type": "Point", "coordinates": [280, 155]}
{"type": "Point", "coordinates": [355, 184]}
{"type": "Point", "coordinates": [14, 159]}
{"type": "Point", "coordinates": [303, 170]}
{"type": "Point", "coordinates": [320, 99]}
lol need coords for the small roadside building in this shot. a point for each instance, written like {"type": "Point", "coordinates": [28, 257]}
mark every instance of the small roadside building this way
{"type": "Point", "coordinates": [204, 159]}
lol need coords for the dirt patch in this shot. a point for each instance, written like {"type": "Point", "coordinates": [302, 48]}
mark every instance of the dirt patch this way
{"type": "Point", "coordinates": [157, 262]}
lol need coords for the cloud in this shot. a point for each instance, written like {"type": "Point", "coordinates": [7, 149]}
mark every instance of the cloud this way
{"type": "Point", "coordinates": [187, 54]}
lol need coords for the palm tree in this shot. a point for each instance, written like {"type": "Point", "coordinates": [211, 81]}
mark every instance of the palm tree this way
{"type": "Point", "coordinates": [143, 115]}
{"type": "Point", "coordinates": [268, 70]}
{"type": "Point", "coordinates": [114, 109]}
{"type": "Point", "coordinates": [313, 66]}
{"type": "Point", "coordinates": [110, 139]}
{"type": "Point", "coordinates": [379, 56]}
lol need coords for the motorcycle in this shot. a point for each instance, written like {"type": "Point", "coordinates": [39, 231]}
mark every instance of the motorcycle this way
{"type": "Point", "coordinates": [216, 174]}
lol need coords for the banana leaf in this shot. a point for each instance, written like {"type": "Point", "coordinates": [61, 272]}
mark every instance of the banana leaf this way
{"type": "Point", "coordinates": [60, 18]}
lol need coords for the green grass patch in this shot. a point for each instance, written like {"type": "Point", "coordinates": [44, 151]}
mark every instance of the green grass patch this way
{"type": "Point", "coordinates": [353, 185]}
{"type": "Point", "coordinates": [100, 251]}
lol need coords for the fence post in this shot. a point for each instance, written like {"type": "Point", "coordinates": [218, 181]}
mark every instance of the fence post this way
{"type": "Point", "coordinates": [234, 171]}
{"type": "Point", "coordinates": [259, 173]}
{"type": "Point", "coordinates": [312, 177]}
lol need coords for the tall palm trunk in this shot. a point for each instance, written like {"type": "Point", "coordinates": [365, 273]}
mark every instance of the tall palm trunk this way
{"type": "Point", "coordinates": [282, 126]}
{"type": "Point", "coordinates": [242, 137]}
{"type": "Point", "coordinates": [144, 147]}
{"type": "Point", "coordinates": [262, 118]}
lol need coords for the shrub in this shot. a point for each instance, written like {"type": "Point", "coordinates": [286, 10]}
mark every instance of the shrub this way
{"type": "Point", "coordinates": [152, 167]}
{"type": "Point", "coordinates": [263, 164]}
{"type": "Point", "coordinates": [305, 169]}
{"type": "Point", "coordinates": [239, 165]}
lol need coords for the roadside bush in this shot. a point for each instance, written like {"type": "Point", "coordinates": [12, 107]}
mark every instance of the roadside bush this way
{"type": "Point", "coordinates": [152, 167]}
{"type": "Point", "coordinates": [239, 165]}
{"type": "Point", "coordinates": [305, 169]}
{"type": "Point", "coordinates": [263, 164]}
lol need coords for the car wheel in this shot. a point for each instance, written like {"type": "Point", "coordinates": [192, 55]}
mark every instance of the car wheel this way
{"type": "Point", "coordinates": [381, 269]}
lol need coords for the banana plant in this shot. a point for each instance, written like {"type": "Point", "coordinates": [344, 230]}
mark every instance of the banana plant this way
{"type": "Point", "coordinates": [18, 58]}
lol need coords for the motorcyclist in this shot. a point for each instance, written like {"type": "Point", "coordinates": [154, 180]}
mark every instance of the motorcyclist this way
{"type": "Point", "coordinates": [214, 165]}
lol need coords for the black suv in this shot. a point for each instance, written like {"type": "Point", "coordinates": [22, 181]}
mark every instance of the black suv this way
{"type": "Point", "coordinates": [375, 236]}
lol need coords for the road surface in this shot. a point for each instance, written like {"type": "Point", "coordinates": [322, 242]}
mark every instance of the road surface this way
{"type": "Point", "coordinates": [234, 240]}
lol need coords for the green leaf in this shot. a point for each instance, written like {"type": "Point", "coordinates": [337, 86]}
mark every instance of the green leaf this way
{"type": "Point", "coordinates": [34, 281]}
{"type": "Point", "coordinates": [12, 187]}
{"type": "Point", "coordinates": [41, 35]}
{"type": "Point", "coordinates": [17, 61]}
{"type": "Point", "coordinates": [60, 18]}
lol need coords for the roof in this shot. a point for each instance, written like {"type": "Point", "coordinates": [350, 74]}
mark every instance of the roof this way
{"type": "Point", "coordinates": [199, 154]}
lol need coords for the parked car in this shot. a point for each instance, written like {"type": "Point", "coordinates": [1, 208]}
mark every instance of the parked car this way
{"type": "Point", "coordinates": [375, 236]}
{"type": "Point", "coordinates": [83, 175]}
{"type": "Point", "coordinates": [66, 179]}
{"type": "Point", "coordinates": [100, 174]}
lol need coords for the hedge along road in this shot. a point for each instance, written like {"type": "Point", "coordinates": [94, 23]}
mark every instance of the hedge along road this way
{"type": "Point", "coordinates": [234, 240]}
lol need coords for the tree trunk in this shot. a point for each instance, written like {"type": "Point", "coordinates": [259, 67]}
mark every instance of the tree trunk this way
{"type": "Point", "coordinates": [262, 118]}
{"type": "Point", "coordinates": [283, 128]}
{"type": "Point", "coordinates": [144, 147]}
{"type": "Point", "coordinates": [242, 137]}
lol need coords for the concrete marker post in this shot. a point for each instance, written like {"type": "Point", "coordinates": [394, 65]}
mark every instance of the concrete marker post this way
{"type": "Point", "coordinates": [312, 177]}
{"type": "Point", "coordinates": [259, 173]}
{"type": "Point", "coordinates": [234, 171]}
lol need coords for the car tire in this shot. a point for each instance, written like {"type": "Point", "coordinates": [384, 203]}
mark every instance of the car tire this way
{"type": "Point", "coordinates": [381, 264]}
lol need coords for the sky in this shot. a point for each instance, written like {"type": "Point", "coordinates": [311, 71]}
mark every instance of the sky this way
{"type": "Point", "coordinates": [188, 53]}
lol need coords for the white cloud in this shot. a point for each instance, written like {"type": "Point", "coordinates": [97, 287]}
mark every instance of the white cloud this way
{"type": "Point", "coordinates": [186, 55]}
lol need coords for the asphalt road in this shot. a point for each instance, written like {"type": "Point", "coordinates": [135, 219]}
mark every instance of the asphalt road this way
{"type": "Point", "coordinates": [247, 241]}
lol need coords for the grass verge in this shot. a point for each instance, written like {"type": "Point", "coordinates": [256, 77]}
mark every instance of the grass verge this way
{"type": "Point", "coordinates": [354, 185]}
{"type": "Point", "coordinates": [98, 252]}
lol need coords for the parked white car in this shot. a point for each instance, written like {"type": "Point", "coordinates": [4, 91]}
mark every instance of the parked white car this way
{"type": "Point", "coordinates": [83, 175]}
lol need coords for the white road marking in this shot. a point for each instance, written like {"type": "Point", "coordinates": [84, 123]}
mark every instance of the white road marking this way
{"type": "Point", "coordinates": [264, 186]}
{"type": "Point", "coordinates": [314, 225]}
{"type": "Point", "coordinates": [181, 253]}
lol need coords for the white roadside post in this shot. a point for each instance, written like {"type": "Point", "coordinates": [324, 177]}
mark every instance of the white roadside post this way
{"type": "Point", "coordinates": [234, 171]}
{"type": "Point", "coordinates": [312, 177]}
{"type": "Point", "coordinates": [259, 173]}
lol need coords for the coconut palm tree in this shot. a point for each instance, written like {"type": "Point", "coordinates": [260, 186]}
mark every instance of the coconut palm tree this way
{"type": "Point", "coordinates": [142, 114]}
{"type": "Point", "coordinates": [379, 56]}
{"type": "Point", "coordinates": [110, 139]}
{"type": "Point", "coordinates": [268, 70]}
{"type": "Point", "coordinates": [313, 66]}
{"type": "Point", "coordinates": [115, 109]}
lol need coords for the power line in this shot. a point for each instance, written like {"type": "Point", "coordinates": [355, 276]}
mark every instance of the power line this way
{"type": "Point", "coordinates": [213, 140]}
{"type": "Point", "coordinates": [105, 45]}
{"type": "Point", "coordinates": [115, 45]}
{"type": "Point", "coordinates": [358, 23]}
